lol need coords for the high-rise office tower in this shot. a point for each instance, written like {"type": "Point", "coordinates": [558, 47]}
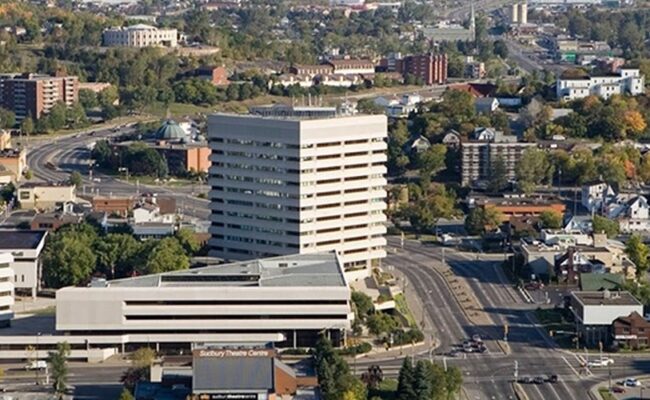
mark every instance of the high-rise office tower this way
{"type": "Point", "coordinates": [298, 184]}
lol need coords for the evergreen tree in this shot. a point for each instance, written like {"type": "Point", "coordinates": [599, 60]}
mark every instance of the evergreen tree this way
{"type": "Point", "coordinates": [422, 380]}
{"type": "Point", "coordinates": [406, 381]}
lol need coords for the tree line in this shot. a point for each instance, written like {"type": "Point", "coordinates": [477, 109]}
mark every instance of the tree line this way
{"type": "Point", "coordinates": [76, 253]}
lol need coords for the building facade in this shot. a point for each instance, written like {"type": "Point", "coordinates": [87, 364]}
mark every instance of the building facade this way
{"type": "Point", "coordinates": [6, 289]}
{"type": "Point", "coordinates": [431, 68]}
{"type": "Point", "coordinates": [292, 299]}
{"type": "Point", "coordinates": [626, 81]}
{"type": "Point", "coordinates": [35, 95]}
{"type": "Point", "coordinates": [290, 185]}
{"type": "Point", "coordinates": [25, 247]}
{"type": "Point", "coordinates": [14, 161]}
{"type": "Point", "coordinates": [140, 36]}
{"type": "Point", "coordinates": [596, 311]}
{"type": "Point", "coordinates": [44, 196]}
{"type": "Point", "coordinates": [481, 153]}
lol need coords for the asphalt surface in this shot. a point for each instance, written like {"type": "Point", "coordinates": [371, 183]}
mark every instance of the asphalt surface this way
{"type": "Point", "coordinates": [490, 375]}
{"type": "Point", "coordinates": [71, 153]}
{"type": "Point", "coordinates": [88, 381]}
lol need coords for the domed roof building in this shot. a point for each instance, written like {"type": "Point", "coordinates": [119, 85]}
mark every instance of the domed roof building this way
{"type": "Point", "coordinates": [171, 130]}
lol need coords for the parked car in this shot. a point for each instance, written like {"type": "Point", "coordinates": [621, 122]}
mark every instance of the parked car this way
{"type": "Point", "coordinates": [602, 362]}
{"type": "Point", "coordinates": [34, 365]}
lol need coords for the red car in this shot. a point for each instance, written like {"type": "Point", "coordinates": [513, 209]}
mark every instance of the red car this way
{"type": "Point", "coordinates": [618, 389]}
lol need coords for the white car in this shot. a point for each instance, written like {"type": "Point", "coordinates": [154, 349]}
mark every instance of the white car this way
{"type": "Point", "coordinates": [40, 364]}
{"type": "Point", "coordinates": [603, 362]}
{"type": "Point", "coordinates": [631, 382]}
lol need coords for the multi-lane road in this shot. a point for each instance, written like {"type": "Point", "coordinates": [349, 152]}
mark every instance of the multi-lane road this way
{"type": "Point", "coordinates": [54, 160]}
{"type": "Point", "coordinates": [490, 375]}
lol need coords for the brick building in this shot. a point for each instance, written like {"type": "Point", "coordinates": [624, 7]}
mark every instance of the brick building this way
{"type": "Point", "coordinates": [218, 76]}
{"type": "Point", "coordinates": [431, 68]}
{"type": "Point", "coordinates": [632, 331]}
{"type": "Point", "coordinates": [35, 95]}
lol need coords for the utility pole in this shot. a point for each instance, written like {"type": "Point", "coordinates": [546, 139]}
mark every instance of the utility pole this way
{"type": "Point", "coordinates": [516, 373]}
{"type": "Point", "coordinates": [505, 332]}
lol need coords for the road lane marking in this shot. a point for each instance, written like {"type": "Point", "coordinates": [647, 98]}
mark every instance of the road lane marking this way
{"type": "Point", "coordinates": [571, 366]}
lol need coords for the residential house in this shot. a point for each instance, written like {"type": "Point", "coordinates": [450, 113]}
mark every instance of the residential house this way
{"type": "Point", "coordinates": [418, 144]}
{"type": "Point", "coordinates": [572, 263]}
{"type": "Point", "coordinates": [596, 311]}
{"type": "Point", "coordinates": [579, 223]}
{"type": "Point", "coordinates": [486, 105]}
{"type": "Point", "coordinates": [594, 196]}
{"type": "Point", "coordinates": [631, 331]}
{"type": "Point", "coordinates": [452, 139]}
{"type": "Point", "coordinates": [632, 213]}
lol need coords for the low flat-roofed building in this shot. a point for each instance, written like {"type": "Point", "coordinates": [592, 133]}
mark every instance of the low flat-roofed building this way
{"type": "Point", "coordinates": [45, 196]}
{"type": "Point", "coordinates": [522, 206]}
{"type": "Point", "coordinates": [14, 161]}
{"type": "Point", "coordinates": [113, 205]}
{"type": "Point", "coordinates": [25, 246]}
{"type": "Point", "coordinates": [596, 311]}
{"type": "Point", "coordinates": [293, 298]}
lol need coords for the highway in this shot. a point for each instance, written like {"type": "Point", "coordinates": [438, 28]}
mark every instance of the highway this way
{"type": "Point", "coordinates": [71, 153]}
{"type": "Point", "coordinates": [490, 376]}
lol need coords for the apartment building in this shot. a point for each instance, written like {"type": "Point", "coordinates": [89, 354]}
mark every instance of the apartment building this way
{"type": "Point", "coordinates": [431, 68]}
{"type": "Point", "coordinates": [284, 185]}
{"type": "Point", "coordinates": [486, 147]}
{"type": "Point", "coordinates": [626, 81]}
{"type": "Point", "coordinates": [6, 289]}
{"type": "Point", "coordinates": [140, 35]}
{"type": "Point", "coordinates": [35, 95]}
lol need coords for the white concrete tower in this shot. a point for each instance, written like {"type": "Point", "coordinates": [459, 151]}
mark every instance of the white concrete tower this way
{"type": "Point", "coordinates": [523, 13]}
{"type": "Point", "coordinates": [514, 13]}
{"type": "Point", "coordinates": [285, 185]}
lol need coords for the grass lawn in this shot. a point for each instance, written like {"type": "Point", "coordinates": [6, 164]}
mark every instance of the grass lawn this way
{"type": "Point", "coordinates": [403, 308]}
{"type": "Point", "coordinates": [386, 390]}
{"type": "Point", "coordinates": [605, 394]}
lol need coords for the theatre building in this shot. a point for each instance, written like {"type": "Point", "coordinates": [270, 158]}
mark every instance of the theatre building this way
{"type": "Point", "coordinates": [228, 372]}
{"type": "Point", "coordinates": [287, 300]}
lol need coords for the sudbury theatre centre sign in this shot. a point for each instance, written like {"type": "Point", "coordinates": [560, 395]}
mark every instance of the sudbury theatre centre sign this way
{"type": "Point", "coordinates": [223, 353]}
